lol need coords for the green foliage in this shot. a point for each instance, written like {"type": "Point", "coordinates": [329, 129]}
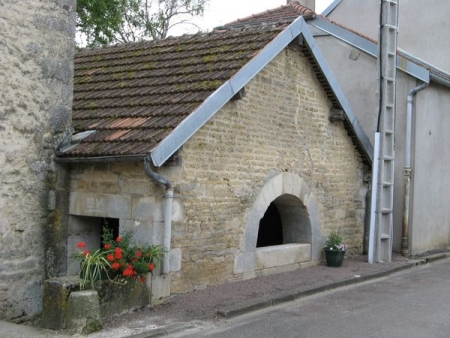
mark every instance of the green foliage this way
{"type": "Point", "coordinates": [117, 260]}
{"type": "Point", "coordinates": [100, 20]}
{"type": "Point", "coordinates": [334, 242]}
{"type": "Point", "coordinates": [118, 21]}
{"type": "Point", "coordinates": [93, 266]}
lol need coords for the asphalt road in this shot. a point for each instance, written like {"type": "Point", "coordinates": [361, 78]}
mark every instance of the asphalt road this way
{"type": "Point", "coordinates": [412, 304]}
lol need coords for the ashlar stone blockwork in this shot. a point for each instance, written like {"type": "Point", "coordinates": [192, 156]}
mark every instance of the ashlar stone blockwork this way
{"type": "Point", "coordinates": [277, 136]}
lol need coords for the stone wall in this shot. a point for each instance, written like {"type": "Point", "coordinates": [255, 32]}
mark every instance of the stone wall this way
{"type": "Point", "coordinates": [36, 49]}
{"type": "Point", "coordinates": [281, 126]}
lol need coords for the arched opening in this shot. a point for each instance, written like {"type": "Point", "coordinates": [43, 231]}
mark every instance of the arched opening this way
{"type": "Point", "coordinates": [300, 240]}
{"type": "Point", "coordinates": [285, 221]}
{"type": "Point", "coordinates": [270, 228]}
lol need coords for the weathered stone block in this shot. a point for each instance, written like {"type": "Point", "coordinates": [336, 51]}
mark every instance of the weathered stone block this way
{"type": "Point", "coordinates": [83, 311]}
{"type": "Point", "coordinates": [143, 208]}
{"type": "Point", "coordinates": [160, 287]}
{"type": "Point", "coordinates": [55, 301]}
{"type": "Point", "coordinates": [279, 255]}
{"type": "Point", "coordinates": [245, 262]}
{"type": "Point", "coordinates": [100, 205]}
{"type": "Point", "coordinates": [175, 259]}
{"type": "Point", "coordinates": [116, 298]}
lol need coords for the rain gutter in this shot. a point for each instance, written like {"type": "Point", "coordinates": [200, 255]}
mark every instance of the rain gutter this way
{"type": "Point", "coordinates": [407, 169]}
{"type": "Point", "coordinates": [439, 80]}
{"type": "Point", "coordinates": [167, 236]}
{"type": "Point", "coordinates": [115, 158]}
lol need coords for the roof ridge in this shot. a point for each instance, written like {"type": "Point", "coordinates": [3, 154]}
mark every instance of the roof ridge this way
{"type": "Point", "coordinates": [145, 44]}
{"type": "Point", "coordinates": [302, 10]}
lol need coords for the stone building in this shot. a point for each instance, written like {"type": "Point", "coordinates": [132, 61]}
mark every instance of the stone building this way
{"type": "Point", "coordinates": [36, 73]}
{"type": "Point", "coordinates": [236, 149]}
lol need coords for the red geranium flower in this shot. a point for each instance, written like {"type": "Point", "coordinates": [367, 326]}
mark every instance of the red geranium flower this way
{"type": "Point", "coordinates": [119, 239]}
{"type": "Point", "coordinates": [86, 252]}
{"type": "Point", "coordinates": [138, 253]}
{"type": "Point", "coordinates": [119, 253]}
{"type": "Point", "coordinates": [129, 271]}
{"type": "Point", "coordinates": [110, 257]}
{"type": "Point", "coordinates": [81, 244]}
{"type": "Point", "coordinates": [107, 246]}
{"type": "Point", "coordinates": [115, 266]}
{"type": "Point", "coordinates": [151, 266]}
{"type": "Point", "coordinates": [142, 279]}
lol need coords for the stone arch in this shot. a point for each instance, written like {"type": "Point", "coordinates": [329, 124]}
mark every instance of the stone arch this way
{"type": "Point", "coordinates": [298, 205]}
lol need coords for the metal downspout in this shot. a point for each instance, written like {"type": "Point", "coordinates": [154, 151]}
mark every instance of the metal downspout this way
{"type": "Point", "coordinates": [407, 169]}
{"type": "Point", "coordinates": [167, 210]}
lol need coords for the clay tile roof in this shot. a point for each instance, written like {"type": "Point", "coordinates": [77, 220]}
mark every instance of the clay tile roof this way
{"type": "Point", "coordinates": [134, 95]}
{"type": "Point", "coordinates": [287, 13]}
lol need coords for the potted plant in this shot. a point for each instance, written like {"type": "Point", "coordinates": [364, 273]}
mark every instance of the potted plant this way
{"type": "Point", "coordinates": [334, 250]}
{"type": "Point", "coordinates": [117, 260]}
{"type": "Point", "coordinates": [130, 261]}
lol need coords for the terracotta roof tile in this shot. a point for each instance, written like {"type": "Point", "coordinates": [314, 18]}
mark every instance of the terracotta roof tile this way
{"type": "Point", "coordinates": [134, 95]}
{"type": "Point", "coordinates": [286, 13]}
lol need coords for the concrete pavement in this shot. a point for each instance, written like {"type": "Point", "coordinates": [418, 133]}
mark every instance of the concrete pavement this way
{"type": "Point", "coordinates": [215, 304]}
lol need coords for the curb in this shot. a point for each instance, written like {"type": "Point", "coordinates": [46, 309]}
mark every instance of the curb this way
{"type": "Point", "coordinates": [165, 331]}
{"type": "Point", "coordinates": [436, 257]}
{"type": "Point", "coordinates": [238, 310]}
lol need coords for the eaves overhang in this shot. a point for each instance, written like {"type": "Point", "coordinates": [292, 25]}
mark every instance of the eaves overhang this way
{"type": "Point", "coordinates": [369, 47]}
{"type": "Point", "coordinates": [186, 129]}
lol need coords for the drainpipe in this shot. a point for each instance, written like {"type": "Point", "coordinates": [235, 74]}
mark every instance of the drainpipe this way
{"type": "Point", "coordinates": [167, 210]}
{"type": "Point", "coordinates": [407, 169]}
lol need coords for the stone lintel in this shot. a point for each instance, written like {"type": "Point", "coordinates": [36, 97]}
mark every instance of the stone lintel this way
{"type": "Point", "coordinates": [100, 205]}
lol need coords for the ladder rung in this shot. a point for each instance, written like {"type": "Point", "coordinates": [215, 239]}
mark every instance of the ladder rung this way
{"type": "Point", "coordinates": [387, 184]}
{"type": "Point", "coordinates": [386, 211]}
{"type": "Point", "coordinates": [390, 26]}
{"type": "Point", "coordinates": [385, 237]}
{"type": "Point", "coordinates": [387, 158]}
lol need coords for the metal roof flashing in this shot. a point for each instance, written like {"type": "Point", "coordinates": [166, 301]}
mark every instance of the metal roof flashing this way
{"type": "Point", "coordinates": [73, 140]}
{"type": "Point", "coordinates": [223, 94]}
{"type": "Point", "coordinates": [331, 7]}
{"type": "Point", "coordinates": [369, 47]}
{"type": "Point", "coordinates": [187, 128]}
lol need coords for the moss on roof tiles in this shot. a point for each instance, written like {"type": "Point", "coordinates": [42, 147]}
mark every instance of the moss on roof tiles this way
{"type": "Point", "coordinates": [151, 87]}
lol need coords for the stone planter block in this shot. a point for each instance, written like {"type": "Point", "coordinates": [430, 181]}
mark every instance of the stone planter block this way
{"type": "Point", "coordinates": [83, 311]}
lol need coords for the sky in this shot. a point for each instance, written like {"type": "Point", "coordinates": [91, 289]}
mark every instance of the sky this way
{"type": "Point", "coordinates": [219, 12]}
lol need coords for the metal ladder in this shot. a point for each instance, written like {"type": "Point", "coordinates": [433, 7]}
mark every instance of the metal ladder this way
{"type": "Point", "coordinates": [385, 150]}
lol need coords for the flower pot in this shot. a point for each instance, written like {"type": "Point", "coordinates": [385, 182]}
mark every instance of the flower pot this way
{"type": "Point", "coordinates": [334, 257]}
